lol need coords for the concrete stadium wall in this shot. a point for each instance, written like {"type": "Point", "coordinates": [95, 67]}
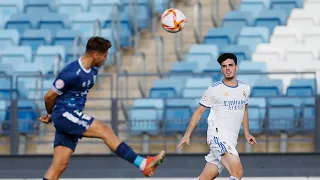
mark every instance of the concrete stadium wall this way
{"type": "Point", "coordinates": [174, 166]}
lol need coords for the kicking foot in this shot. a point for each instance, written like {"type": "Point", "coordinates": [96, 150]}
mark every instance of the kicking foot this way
{"type": "Point", "coordinates": [152, 163]}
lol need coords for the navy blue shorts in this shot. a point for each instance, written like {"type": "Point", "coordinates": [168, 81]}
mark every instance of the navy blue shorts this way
{"type": "Point", "coordinates": [70, 126]}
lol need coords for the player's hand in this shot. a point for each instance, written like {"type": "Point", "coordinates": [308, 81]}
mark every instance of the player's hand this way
{"type": "Point", "coordinates": [45, 118]}
{"type": "Point", "coordinates": [184, 140]}
{"type": "Point", "coordinates": [250, 139]}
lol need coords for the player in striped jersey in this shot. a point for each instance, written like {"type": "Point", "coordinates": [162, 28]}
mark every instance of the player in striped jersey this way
{"type": "Point", "coordinates": [228, 103]}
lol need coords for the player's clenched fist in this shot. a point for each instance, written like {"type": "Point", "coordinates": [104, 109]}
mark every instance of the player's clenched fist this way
{"type": "Point", "coordinates": [45, 118]}
{"type": "Point", "coordinates": [184, 140]}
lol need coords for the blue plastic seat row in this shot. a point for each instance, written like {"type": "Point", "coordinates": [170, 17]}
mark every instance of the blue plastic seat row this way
{"type": "Point", "coordinates": [173, 115]}
{"type": "Point", "coordinates": [262, 87]}
{"type": "Point", "coordinates": [27, 117]}
{"type": "Point", "coordinates": [247, 38]}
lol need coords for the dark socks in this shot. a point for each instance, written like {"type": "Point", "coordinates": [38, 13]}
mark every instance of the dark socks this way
{"type": "Point", "coordinates": [125, 152]}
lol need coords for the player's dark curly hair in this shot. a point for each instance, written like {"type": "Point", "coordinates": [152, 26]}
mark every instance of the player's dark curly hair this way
{"type": "Point", "coordinates": [226, 56]}
{"type": "Point", "coordinates": [98, 44]}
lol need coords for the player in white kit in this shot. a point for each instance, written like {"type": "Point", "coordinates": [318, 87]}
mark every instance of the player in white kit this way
{"type": "Point", "coordinates": [228, 103]}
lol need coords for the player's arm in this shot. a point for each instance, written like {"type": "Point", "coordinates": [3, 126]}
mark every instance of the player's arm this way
{"type": "Point", "coordinates": [245, 122]}
{"type": "Point", "coordinates": [194, 120]}
{"type": "Point", "coordinates": [49, 100]}
{"type": "Point", "coordinates": [205, 102]}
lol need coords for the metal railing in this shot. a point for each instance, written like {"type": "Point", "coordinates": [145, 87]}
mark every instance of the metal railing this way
{"type": "Point", "coordinates": [77, 47]}
{"type": "Point", "coordinates": [116, 29]}
{"type": "Point", "coordinates": [160, 53]}
{"type": "Point", "coordinates": [215, 10]}
{"type": "Point", "coordinates": [197, 21]}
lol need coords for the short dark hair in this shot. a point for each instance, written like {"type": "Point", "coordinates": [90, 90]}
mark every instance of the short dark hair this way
{"type": "Point", "coordinates": [226, 56]}
{"type": "Point", "coordinates": [98, 44]}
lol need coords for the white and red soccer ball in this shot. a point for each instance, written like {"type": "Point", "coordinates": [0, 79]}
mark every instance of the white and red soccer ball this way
{"type": "Point", "coordinates": [173, 20]}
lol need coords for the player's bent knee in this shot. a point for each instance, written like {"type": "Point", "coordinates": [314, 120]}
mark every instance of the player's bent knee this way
{"type": "Point", "coordinates": [237, 171]}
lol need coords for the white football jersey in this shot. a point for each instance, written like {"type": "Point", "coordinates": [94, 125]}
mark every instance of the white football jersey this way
{"type": "Point", "coordinates": [227, 107]}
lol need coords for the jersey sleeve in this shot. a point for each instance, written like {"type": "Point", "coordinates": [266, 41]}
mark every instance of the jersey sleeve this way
{"type": "Point", "coordinates": [208, 98]}
{"type": "Point", "coordinates": [63, 82]}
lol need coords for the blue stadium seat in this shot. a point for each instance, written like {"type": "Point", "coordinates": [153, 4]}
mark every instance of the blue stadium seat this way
{"type": "Point", "coordinates": [254, 6]}
{"type": "Point", "coordinates": [85, 23]}
{"type": "Point", "coordinates": [27, 117]}
{"type": "Point", "coordinates": [38, 92]}
{"type": "Point", "coordinates": [126, 29]}
{"type": "Point", "coordinates": [287, 5]}
{"type": "Point", "coordinates": [242, 52]}
{"type": "Point", "coordinates": [301, 87]}
{"type": "Point", "coordinates": [292, 102]}
{"type": "Point", "coordinates": [3, 108]}
{"type": "Point", "coordinates": [257, 114]}
{"type": "Point", "coordinates": [249, 79]}
{"type": "Point", "coordinates": [110, 35]}
{"type": "Point", "coordinates": [237, 19]}
{"type": "Point", "coordinates": [6, 69]}
{"type": "Point", "coordinates": [195, 87]}
{"type": "Point", "coordinates": [195, 83]}
{"type": "Point", "coordinates": [7, 89]}
{"type": "Point", "coordinates": [10, 7]}
{"type": "Point", "coordinates": [202, 54]}
{"type": "Point", "coordinates": [66, 38]}
{"type": "Point", "coordinates": [166, 88]}
{"type": "Point", "coordinates": [161, 6]}
{"type": "Point", "coordinates": [39, 7]}
{"type": "Point", "coordinates": [221, 36]}
{"type": "Point", "coordinates": [146, 116]}
{"type": "Point", "coordinates": [308, 116]}
{"type": "Point", "coordinates": [251, 66]}
{"type": "Point", "coordinates": [142, 11]}
{"type": "Point", "coordinates": [46, 55]}
{"type": "Point", "coordinates": [252, 36]}
{"type": "Point", "coordinates": [35, 38]}
{"type": "Point", "coordinates": [177, 115]}
{"type": "Point", "coordinates": [271, 18]}
{"type": "Point", "coordinates": [102, 6]}
{"type": "Point", "coordinates": [21, 22]}
{"type": "Point", "coordinates": [9, 37]}
{"type": "Point", "coordinates": [183, 67]}
{"type": "Point", "coordinates": [32, 69]}
{"type": "Point", "coordinates": [281, 119]}
{"type": "Point", "coordinates": [53, 22]}
{"type": "Point", "coordinates": [71, 8]}
{"type": "Point", "coordinates": [267, 88]}
{"type": "Point", "coordinates": [16, 54]}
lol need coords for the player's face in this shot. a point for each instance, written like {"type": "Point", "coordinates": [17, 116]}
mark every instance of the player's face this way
{"type": "Point", "coordinates": [100, 58]}
{"type": "Point", "coordinates": [229, 69]}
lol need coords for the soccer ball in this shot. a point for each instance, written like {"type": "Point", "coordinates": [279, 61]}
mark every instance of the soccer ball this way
{"type": "Point", "coordinates": [173, 20]}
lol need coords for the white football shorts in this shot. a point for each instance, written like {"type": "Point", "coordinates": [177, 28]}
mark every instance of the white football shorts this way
{"type": "Point", "coordinates": [217, 149]}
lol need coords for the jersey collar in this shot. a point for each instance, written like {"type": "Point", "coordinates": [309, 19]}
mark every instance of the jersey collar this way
{"type": "Point", "coordinates": [84, 69]}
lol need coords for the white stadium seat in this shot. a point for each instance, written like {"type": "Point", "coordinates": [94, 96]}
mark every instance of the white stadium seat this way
{"type": "Point", "coordinates": [303, 19]}
{"type": "Point", "coordinates": [301, 52]}
{"type": "Point", "coordinates": [268, 53]}
{"type": "Point", "coordinates": [284, 35]}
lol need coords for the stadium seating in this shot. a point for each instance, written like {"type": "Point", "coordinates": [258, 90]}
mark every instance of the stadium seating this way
{"type": "Point", "coordinates": [266, 36]}
{"type": "Point", "coordinates": [34, 32]}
